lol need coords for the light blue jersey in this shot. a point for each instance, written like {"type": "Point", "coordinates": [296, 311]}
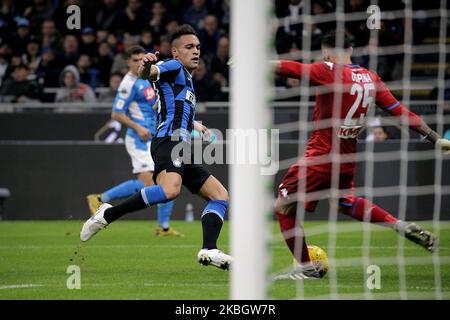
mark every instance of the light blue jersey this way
{"type": "Point", "coordinates": [136, 99]}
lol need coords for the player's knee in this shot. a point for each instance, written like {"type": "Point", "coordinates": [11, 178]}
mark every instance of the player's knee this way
{"type": "Point", "coordinates": [171, 192]}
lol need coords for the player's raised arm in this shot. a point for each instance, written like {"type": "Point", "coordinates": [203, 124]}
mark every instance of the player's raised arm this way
{"type": "Point", "coordinates": [386, 101]}
{"type": "Point", "coordinates": [147, 69]}
{"type": "Point", "coordinates": [318, 73]}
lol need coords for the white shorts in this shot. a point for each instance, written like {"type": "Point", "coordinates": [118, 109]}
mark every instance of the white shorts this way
{"type": "Point", "coordinates": [141, 159]}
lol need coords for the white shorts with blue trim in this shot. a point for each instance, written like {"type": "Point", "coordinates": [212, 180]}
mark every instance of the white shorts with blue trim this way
{"type": "Point", "coordinates": [140, 157]}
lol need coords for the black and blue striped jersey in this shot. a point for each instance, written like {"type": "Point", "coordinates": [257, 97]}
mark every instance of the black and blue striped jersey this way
{"type": "Point", "coordinates": [176, 103]}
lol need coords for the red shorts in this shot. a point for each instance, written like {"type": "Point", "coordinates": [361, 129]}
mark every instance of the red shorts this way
{"type": "Point", "coordinates": [304, 184]}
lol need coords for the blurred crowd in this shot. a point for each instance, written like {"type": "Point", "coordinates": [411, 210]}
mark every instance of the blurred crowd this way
{"type": "Point", "coordinates": [38, 51]}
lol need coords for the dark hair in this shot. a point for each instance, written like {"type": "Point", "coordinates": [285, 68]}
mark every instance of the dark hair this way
{"type": "Point", "coordinates": [181, 31]}
{"type": "Point", "coordinates": [116, 74]}
{"type": "Point", "coordinates": [134, 50]}
{"type": "Point", "coordinates": [329, 40]}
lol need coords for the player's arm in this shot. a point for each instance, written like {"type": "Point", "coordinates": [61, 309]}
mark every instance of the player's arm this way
{"type": "Point", "coordinates": [147, 69]}
{"type": "Point", "coordinates": [198, 126]}
{"type": "Point", "coordinates": [386, 101]}
{"type": "Point", "coordinates": [122, 101]}
{"type": "Point", "coordinates": [318, 73]}
{"type": "Point", "coordinates": [143, 132]}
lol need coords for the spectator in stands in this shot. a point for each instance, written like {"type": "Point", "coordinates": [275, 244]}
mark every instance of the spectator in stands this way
{"type": "Point", "coordinates": [49, 35]}
{"type": "Point", "coordinates": [32, 57]}
{"type": "Point", "coordinates": [134, 18]}
{"type": "Point", "coordinates": [108, 16]}
{"type": "Point", "coordinates": [48, 70]}
{"type": "Point", "coordinates": [72, 90]}
{"type": "Point", "coordinates": [380, 134]}
{"type": "Point", "coordinates": [104, 62]}
{"type": "Point", "coordinates": [171, 26]}
{"type": "Point", "coordinates": [147, 40]}
{"type": "Point", "coordinates": [87, 73]}
{"type": "Point", "coordinates": [120, 60]}
{"type": "Point", "coordinates": [358, 28]}
{"type": "Point", "coordinates": [38, 11]}
{"type": "Point", "coordinates": [376, 131]}
{"type": "Point", "coordinates": [69, 55]}
{"type": "Point", "coordinates": [102, 36]}
{"type": "Point", "coordinates": [88, 43]}
{"type": "Point", "coordinates": [219, 67]}
{"type": "Point", "coordinates": [223, 13]}
{"type": "Point", "coordinates": [158, 18]}
{"type": "Point", "coordinates": [5, 54]}
{"type": "Point", "coordinates": [195, 14]}
{"type": "Point", "coordinates": [206, 88]}
{"type": "Point", "coordinates": [291, 32]}
{"type": "Point", "coordinates": [164, 48]}
{"type": "Point", "coordinates": [209, 36]}
{"type": "Point", "coordinates": [22, 37]}
{"type": "Point", "coordinates": [114, 82]}
{"type": "Point", "coordinates": [18, 88]}
{"type": "Point", "coordinates": [113, 43]}
{"type": "Point", "coordinates": [323, 7]}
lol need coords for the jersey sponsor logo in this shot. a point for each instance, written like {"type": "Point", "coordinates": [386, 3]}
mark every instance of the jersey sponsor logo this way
{"type": "Point", "coordinates": [190, 96]}
{"type": "Point", "coordinates": [120, 103]}
{"type": "Point", "coordinates": [149, 93]}
{"type": "Point", "coordinates": [347, 132]}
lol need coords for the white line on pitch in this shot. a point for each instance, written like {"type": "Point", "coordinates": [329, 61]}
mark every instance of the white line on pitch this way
{"type": "Point", "coordinates": [19, 286]}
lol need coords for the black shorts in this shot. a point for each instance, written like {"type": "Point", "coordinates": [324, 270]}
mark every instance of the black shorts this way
{"type": "Point", "coordinates": [193, 175]}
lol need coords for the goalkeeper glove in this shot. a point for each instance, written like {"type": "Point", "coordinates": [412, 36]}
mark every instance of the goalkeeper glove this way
{"type": "Point", "coordinates": [443, 144]}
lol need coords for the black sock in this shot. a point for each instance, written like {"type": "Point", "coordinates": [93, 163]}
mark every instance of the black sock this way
{"type": "Point", "coordinates": [212, 224]}
{"type": "Point", "coordinates": [133, 203]}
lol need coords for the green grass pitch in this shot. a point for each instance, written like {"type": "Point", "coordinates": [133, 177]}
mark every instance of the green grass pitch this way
{"type": "Point", "coordinates": [127, 261]}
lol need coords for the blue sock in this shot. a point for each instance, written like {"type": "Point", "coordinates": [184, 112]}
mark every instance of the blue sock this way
{"type": "Point", "coordinates": [164, 213]}
{"type": "Point", "coordinates": [123, 190]}
{"type": "Point", "coordinates": [218, 207]}
{"type": "Point", "coordinates": [153, 194]}
{"type": "Point", "coordinates": [212, 221]}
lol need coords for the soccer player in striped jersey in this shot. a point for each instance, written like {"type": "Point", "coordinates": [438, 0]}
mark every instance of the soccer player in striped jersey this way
{"type": "Point", "coordinates": [134, 107]}
{"type": "Point", "coordinates": [345, 91]}
{"type": "Point", "coordinates": [175, 121]}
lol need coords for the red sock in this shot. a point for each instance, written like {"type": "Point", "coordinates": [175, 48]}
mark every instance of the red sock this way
{"type": "Point", "coordinates": [287, 224]}
{"type": "Point", "coordinates": [362, 207]}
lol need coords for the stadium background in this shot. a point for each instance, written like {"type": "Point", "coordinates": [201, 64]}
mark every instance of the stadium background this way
{"type": "Point", "coordinates": [51, 154]}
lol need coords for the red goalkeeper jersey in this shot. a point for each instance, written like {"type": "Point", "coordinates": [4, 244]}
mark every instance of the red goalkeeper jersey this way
{"type": "Point", "coordinates": [344, 95]}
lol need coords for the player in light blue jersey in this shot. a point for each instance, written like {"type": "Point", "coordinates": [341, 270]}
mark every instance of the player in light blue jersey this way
{"type": "Point", "coordinates": [133, 107]}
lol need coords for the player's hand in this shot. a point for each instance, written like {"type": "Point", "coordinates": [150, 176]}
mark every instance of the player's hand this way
{"type": "Point", "coordinates": [146, 64]}
{"type": "Point", "coordinates": [143, 133]}
{"type": "Point", "coordinates": [444, 145]}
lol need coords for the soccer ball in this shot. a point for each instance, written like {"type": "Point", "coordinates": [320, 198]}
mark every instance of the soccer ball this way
{"type": "Point", "coordinates": [319, 259]}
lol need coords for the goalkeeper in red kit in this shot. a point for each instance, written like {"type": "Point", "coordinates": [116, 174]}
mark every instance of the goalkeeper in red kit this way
{"type": "Point", "coordinates": [345, 91]}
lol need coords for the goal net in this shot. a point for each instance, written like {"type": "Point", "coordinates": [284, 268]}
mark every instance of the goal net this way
{"type": "Point", "coordinates": [407, 44]}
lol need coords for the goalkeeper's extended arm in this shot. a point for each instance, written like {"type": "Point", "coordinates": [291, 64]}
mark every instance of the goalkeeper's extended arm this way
{"type": "Point", "coordinates": [417, 124]}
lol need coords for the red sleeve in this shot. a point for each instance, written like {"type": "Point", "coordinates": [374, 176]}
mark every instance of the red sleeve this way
{"type": "Point", "coordinates": [386, 101]}
{"type": "Point", "coordinates": [319, 73]}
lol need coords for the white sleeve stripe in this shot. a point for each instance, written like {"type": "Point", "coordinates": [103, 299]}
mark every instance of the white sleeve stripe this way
{"type": "Point", "coordinates": [159, 72]}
